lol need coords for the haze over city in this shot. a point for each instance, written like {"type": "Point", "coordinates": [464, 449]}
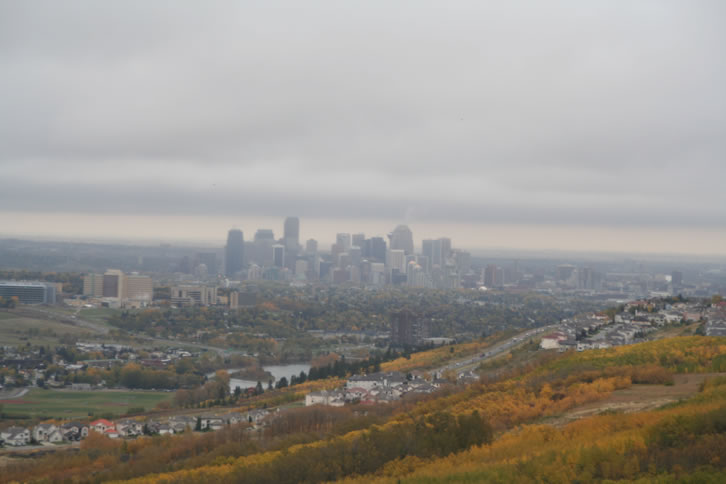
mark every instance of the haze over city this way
{"type": "Point", "coordinates": [579, 126]}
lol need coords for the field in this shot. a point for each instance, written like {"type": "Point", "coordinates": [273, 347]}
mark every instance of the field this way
{"type": "Point", "coordinates": [79, 404]}
{"type": "Point", "coordinates": [16, 329]}
{"type": "Point", "coordinates": [97, 315]}
{"type": "Point", "coordinates": [637, 398]}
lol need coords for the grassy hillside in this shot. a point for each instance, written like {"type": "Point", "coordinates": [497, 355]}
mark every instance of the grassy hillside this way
{"type": "Point", "coordinates": [526, 424]}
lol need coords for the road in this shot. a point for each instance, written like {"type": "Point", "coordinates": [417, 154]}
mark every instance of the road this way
{"type": "Point", "coordinates": [460, 366]}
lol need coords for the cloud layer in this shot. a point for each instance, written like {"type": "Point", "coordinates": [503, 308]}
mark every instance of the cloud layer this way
{"type": "Point", "coordinates": [580, 113]}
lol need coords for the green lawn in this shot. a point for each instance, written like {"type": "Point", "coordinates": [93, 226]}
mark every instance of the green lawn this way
{"type": "Point", "coordinates": [77, 404]}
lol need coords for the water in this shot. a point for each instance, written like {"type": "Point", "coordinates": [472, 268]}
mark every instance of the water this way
{"type": "Point", "coordinates": [278, 371]}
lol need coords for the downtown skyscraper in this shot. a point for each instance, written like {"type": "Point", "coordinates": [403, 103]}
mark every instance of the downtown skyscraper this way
{"type": "Point", "coordinates": [234, 252]}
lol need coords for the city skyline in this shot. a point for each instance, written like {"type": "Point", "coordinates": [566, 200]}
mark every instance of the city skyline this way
{"type": "Point", "coordinates": [144, 229]}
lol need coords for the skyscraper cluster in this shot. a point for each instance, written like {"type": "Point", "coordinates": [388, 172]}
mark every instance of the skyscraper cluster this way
{"type": "Point", "coordinates": [353, 258]}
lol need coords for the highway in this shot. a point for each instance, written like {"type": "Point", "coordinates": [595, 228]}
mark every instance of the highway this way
{"type": "Point", "coordinates": [461, 366]}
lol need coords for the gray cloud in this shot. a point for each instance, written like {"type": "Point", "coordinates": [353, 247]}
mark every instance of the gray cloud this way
{"type": "Point", "coordinates": [559, 112]}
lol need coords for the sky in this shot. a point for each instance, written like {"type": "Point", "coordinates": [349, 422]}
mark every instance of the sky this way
{"type": "Point", "coordinates": [596, 125]}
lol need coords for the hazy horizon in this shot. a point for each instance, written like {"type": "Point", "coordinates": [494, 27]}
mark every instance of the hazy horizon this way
{"type": "Point", "coordinates": [212, 232]}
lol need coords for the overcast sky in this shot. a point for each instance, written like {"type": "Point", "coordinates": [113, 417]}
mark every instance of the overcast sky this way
{"type": "Point", "coordinates": [535, 121]}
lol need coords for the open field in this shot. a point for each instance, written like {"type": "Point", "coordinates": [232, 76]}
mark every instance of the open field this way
{"type": "Point", "coordinates": [78, 404]}
{"type": "Point", "coordinates": [638, 398]}
{"type": "Point", "coordinates": [97, 315]}
{"type": "Point", "coordinates": [16, 329]}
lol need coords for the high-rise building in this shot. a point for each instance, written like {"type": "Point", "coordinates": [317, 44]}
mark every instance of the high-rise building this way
{"type": "Point", "coordinates": [264, 235]}
{"type": "Point", "coordinates": [343, 242]}
{"type": "Point", "coordinates": [396, 260]}
{"type": "Point", "coordinates": [377, 275]}
{"type": "Point", "coordinates": [234, 252]}
{"type": "Point", "coordinates": [432, 248]}
{"type": "Point", "coordinates": [93, 285]}
{"type": "Point", "coordinates": [445, 248]}
{"type": "Point", "coordinates": [408, 329]}
{"type": "Point", "coordinates": [188, 295]}
{"type": "Point", "coordinates": [138, 288]}
{"type": "Point", "coordinates": [402, 239]}
{"type": "Point", "coordinates": [113, 284]}
{"type": "Point", "coordinates": [262, 247]}
{"type": "Point", "coordinates": [355, 255]}
{"type": "Point", "coordinates": [490, 276]}
{"type": "Point", "coordinates": [359, 240]}
{"type": "Point", "coordinates": [278, 255]}
{"type": "Point", "coordinates": [677, 278]}
{"type": "Point", "coordinates": [291, 234]}
{"type": "Point", "coordinates": [374, 249]}
{"type": "Point", "coordinates": [28, 292]}
{"type": "Point", "coordinates": [311, 247]}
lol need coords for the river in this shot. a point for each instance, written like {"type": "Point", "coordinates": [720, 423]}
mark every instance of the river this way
{"type": "Point", "coordinates": [278, 371]}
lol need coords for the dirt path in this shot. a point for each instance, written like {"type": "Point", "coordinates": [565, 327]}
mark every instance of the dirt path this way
{"type": "Point", "coordinates": [637, 398]}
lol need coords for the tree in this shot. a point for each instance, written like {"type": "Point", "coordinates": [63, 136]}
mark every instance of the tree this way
{"type": "Point", "coordinates": [258, 389]}
{"type": "Point", "coordinates": [198, 426]}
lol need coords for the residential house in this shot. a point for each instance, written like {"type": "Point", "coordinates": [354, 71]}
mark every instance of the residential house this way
{"type": "Point", "coordinates": [74, 430]}
{"type": "Point", "coordinates": [102, 425]}
{"type": "Point", "coordinates": [212, 422]}
{"type": "Point", "coordinates": [129, 428]}
{"type": "Point", "coordinates": [47, 433]}
{"type": "Point", "coordinates": [15, 436]}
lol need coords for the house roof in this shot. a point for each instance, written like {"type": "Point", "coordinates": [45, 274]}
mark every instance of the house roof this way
{"type": "Point", "coordinates": [102, 421]}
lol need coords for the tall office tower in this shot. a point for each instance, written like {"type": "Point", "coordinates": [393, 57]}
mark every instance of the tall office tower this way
{"type": "Point", "coordinates": [396, 260]}
{"type": "Point", "coordinates": [439, 259]}
{"type": "Point", "coordinates": [490, 276]}
{"type": "Point", "coordinates": [291, 234]}
{"type": "Point", "coordinates": [93, 285]}
{"type": "Point", "coordinates": [424, 262]}
{"type": "Point", "coordinates": [278, 255]}
{"type": "Point", "coordinates": [263, 241]}
{"type": "Point", "coordinates": [113, 284]}
{"type": "Point", "coordinates": [432, 248]}
{"type": "Point", "coordinates": [427, 248]}
{"type": "Point", "coordinates": [445, 248]}
{"type": "Point", "coordinates": [264, 235]}
{"type": "Point", "coordinates": [234, 252]}
{"type": "Point", "coordinates": [402, 239]}
{"type": "Point", "coordinates": [355, 255]}
{"type": "Point", "coordinates": [376, 249]}
{"type": "Point", "coordinates": [138, 287]}
{"type": "Point", "coordinates": [677, 278]}
{"type": "Point", "coordinates": [359, 240]}
{"type": "Point", "coordinates": [343, 241]}
{"type": "Point", "coordinates": [311, 247]}
{"type": "Point", "coordinates": [408, 329]}
{"type": "Point", "coordinates": [378, 274]}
